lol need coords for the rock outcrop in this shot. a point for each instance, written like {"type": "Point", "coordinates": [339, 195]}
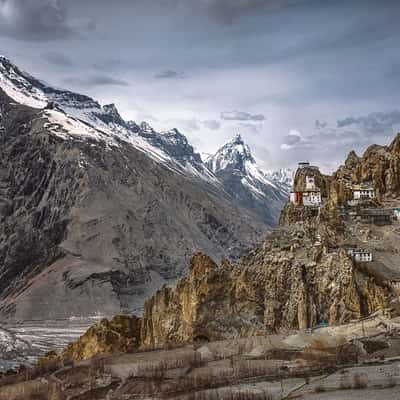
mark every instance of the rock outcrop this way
{"type": "Point", "coordinates": [379, 165]}
{"type": "Point", "coordinates": [290, 282]}
{"type": "Point", "coordinates": [287, 283]}
{"type": "Point", "coordinates": [121, 334]}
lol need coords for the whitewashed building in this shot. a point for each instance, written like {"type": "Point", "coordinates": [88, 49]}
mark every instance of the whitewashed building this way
{"type": "Point", "coordinates": [360, 255]}
{"type": "Point", "coordinates": [312, 198]}
{"type": "Point", "coordinates": [361, 192]}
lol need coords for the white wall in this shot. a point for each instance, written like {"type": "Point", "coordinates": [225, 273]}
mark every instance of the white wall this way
{"type": "Point", "coordinates": [312, 198]}
{"type": "Point", "coordinates": [358, 194]}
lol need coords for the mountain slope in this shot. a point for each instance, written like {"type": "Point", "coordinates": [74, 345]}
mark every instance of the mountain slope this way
{"type": "Point", "coordinates": [264, 194]}
{"type": "Point", "coordinates": [95, 212]}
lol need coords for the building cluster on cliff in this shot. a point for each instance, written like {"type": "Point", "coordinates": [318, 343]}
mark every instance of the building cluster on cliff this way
{"type": "Point", "coordinates": [362, 204]}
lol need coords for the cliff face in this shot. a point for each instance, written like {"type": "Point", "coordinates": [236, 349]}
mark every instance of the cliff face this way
{"type": "Point", "coordinates": [287, 283]}
{"type": "Point", "coordinates": [296, 279]}
{"type": "Point", "coordinates": [291, 214]}
{"type": "Point", "coordinates": [379, 165]}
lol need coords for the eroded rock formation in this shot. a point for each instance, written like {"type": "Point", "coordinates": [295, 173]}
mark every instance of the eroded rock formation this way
{"type": "Point", "coordinates": [120, 334]}
{"type": "Point", "coordinates": [285, 284]}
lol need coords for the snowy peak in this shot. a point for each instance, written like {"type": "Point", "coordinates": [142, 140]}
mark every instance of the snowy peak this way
{"type": "Point", "coordinates": [19, 85]}
{"type": "Point", "coordinates": [179, 147]}
{"type": "Point", "coordinates": [26, 89]}
{"type": "Point", "coordinates": [234, 155]}
{"type": "Point", "coordinates": [283, 176]}
{"type": "Point", "coordinates": [111, 111]}
{"type": "Point", "coordinates": [71, 114]}
{"type": "Point", "coordinates": [235, 158]}
{"type": "Point", "coordinates": [263, 193]}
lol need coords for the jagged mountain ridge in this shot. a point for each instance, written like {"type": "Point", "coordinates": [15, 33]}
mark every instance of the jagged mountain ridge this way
{"type": "Point", "coordinates": [170, 148]}
{"type": "Point", "coordinates": [263, 193]}
{"type": "Point", "coordinates": [96, 212]}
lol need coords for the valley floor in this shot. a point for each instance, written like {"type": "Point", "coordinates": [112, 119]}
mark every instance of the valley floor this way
{"type": "Point", "coordinates": [23, 343]}
{"type": "Point", "coordinates": [352, 361]}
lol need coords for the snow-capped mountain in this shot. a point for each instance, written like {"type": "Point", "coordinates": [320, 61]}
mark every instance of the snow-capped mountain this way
{"type": "Point", "coordinates": [71, 114]}
{"type": "Point", "coordinates": [263, 193]}
{"type": "Point", "coordinates": [283, 176]}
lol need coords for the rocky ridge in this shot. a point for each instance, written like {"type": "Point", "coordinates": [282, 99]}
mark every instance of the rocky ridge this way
{"type": "Point", "coordinates": [289, 283]}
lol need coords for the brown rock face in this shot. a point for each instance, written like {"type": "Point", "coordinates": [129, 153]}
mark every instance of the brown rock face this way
{"type": "Point", "coordinates": [191, 310]}
{"type": "Point", "coordinates": [285, 284]}
{"type": "Point", "coordinates": [120, 334]}
{"type": "Point", "coordinates": [379, 165]}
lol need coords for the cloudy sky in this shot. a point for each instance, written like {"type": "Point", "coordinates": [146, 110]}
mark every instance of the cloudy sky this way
{"type": "Point", "coordinates": [299, 79]}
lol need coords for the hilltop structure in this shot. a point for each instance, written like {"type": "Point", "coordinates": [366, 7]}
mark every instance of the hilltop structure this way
{"type": "Point", "coordinates": [307, 194]}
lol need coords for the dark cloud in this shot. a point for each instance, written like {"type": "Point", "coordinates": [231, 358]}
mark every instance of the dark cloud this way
{"type": "Point", "coordinates": [96, 80]}
{"type": "Point", "coordinates": [36, 20]}
{"type": "Point", "coordinates": [241, 116]}
{"type": "Point", "coordinates": [212, 124]}
{"type": "Point", "coordinates": [376, 122]}
{"type": "Point", "coordinates": [329, 145]}
{"type": "Point", "coordinates": [169, 74]}
{"type": "Point", "coordinates": [59, 59]}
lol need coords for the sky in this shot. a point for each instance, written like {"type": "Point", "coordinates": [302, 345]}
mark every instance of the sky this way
{"type": "Point", "coordinates": [298, 79]}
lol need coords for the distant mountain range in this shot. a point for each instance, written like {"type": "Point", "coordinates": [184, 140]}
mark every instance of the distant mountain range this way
{"type": "Point", "coordinates": [97, 212]}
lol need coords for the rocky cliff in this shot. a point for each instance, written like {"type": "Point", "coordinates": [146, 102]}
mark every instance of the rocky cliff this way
{"type": "Point", "coordinates": [294, 280]}
{"type": "Point", "coordinates": [121, 334]}
{"type": "Point", "coordinates": [378, 167]}
{"type": "Point", "coordinates": [290, 282]}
